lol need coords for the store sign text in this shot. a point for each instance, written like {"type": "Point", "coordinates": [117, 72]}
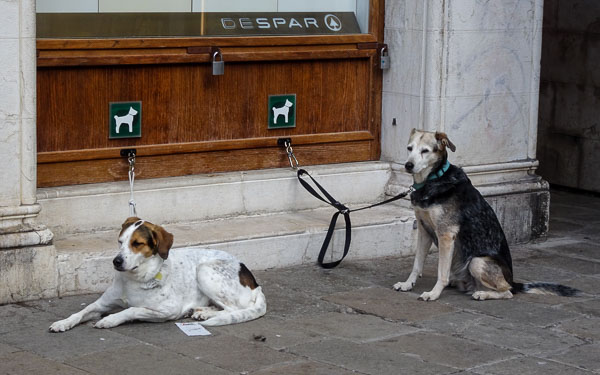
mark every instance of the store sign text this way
{"type": "Point", "coordinates": [270, 23]}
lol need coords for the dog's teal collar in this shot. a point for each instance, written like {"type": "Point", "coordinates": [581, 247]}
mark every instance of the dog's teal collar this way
{"type": "Point", "coordinates": [433, 175]}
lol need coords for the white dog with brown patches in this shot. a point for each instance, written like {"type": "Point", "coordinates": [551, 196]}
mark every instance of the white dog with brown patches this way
{"type": "Point", "coordinates": [154, 284]}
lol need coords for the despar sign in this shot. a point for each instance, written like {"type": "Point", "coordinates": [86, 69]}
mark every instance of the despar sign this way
{"type": "Point", "coordinates": [287, 24]}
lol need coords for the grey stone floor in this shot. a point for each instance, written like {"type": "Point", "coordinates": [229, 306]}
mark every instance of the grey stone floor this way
{"type": "Point", "coordinates": [349, 320]}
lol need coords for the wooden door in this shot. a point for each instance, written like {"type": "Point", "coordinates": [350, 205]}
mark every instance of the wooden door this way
{"type": "Point", "coordinates": [194, 122]}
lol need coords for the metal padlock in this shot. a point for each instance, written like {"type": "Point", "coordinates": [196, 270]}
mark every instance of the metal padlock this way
{"type": "Point", "coordinates": [218, 67]}
{"type": "Point", "coordinates": [384, 58]}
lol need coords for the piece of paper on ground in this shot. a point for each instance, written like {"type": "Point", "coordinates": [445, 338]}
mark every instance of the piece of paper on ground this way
{"type": "Point", "coordinates": [193, 329]}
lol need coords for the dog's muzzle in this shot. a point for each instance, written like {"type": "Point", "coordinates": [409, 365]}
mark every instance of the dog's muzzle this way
{"type": "Point", "coordinates": [409, 166]}
{"type": "Point", "coordinates": [118, 263]}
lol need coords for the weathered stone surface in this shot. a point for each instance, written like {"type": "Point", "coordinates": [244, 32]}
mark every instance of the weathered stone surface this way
{"type": "Point", "coordinates": [29, 363]}
{"type": "Point", "coordinates": [303, 368]}
{"type": "Point", "coordinates": [589, 307]}
{"type": "Point", "coordinates": [389, 304]}
{"type": "Point", "coordinates": [79, 341]}
{"type": "Point", "coordinates": [528, 365]}
{"type": "Point", "coordinates": [143, 359]}
{"type": "Point", "coordinates": [14, 318]}
{"type": "Point", "coordinates": [354, 327]}
{"type": "Point", "coordinates": [278, 333]}
{"type": "Point", "coordinates": [61, 307]}
{"type": "Point", "coordinates": [518, 310]}
{"type": "Point", "coordinates": [27, 273]}
{"type": "Point", "coordinates": [341, 321]}
{"type": "Point", "coordinates": [233, 354]}
{"type": "Point", "coordinates": [585, 356]}
{"type": "Point", "coordinates": [368, 358]}
{"type": "Point", "coordinates": [582, 266]}
{"type": "Point", "coordinates": [522, 338]}
{"type": "Point", "coordinates": [7, 349]}
{"type": "Point", "coordinates": [585, 328]}
{"type": "Point", "coordinates": [444, 350]}
{"type": "Point", "coordinates": [579, 249]}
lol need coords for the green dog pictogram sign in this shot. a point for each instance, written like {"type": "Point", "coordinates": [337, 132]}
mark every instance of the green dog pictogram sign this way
{"type": "Point", "coordinates": [282, 111]}
{"type": "Point", "coordinates": [125, 120]}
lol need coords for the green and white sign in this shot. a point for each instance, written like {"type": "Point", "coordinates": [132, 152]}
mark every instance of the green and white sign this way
{"type": "Point", "coordinates": [125, 120]}
{"type": "Point", "coordinates": [282, 111]}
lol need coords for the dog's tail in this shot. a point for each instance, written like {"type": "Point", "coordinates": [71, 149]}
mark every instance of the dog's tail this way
{"type": "Point", "coordinates": [254, 311]}
{"type": "Point", "coordinates": [545, 288]}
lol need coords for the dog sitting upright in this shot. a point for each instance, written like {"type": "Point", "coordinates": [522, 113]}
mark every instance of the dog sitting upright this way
{"type": "Point", "coordinates": [154, 284]}
{"type": "Point", "coordinates": [450, 212]}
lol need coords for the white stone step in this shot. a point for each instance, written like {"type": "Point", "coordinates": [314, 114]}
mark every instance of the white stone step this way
{"type": "Point", "coordinates": [84, 260]}
{"type": "Point", "coordinates": [93, 207]}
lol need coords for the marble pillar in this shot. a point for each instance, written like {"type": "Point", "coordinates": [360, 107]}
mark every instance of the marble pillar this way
{"type": "Point", "coordinates": [471, 69]}
{"type": "Point", "coordinates": [26, 256]}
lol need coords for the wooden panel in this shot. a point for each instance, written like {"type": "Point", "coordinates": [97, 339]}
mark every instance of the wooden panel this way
{"type": "Point", "coordinates": [183, 148]}
{"type": "Point", "coordinates": [195, 117]}
{"type": "Point", "coordinates": [185, 103]}
{"type": "Point", "coordinates": [61, 44]}
{"type": "Point", "coordinates": [56, 58]}
{"type": "Point", "coordinates": [106, 170]}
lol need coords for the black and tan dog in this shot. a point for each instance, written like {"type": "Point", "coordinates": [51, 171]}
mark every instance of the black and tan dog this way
{"type": "Point", "coordinates": [450, 212]}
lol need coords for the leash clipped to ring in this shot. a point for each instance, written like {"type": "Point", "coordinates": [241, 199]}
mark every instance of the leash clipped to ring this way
{"type": "Point", "coordinates": [330, 200]}
{"type": "Point", "coordinates": [130, 154]}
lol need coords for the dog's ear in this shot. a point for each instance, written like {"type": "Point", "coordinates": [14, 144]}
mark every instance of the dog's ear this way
{"type": "Point", "coordinates": [163, 240]}
{"type": "Point", "coordinates": [412, 132]}
{"type": "Point", "coordinates": [128, 222]}
{"type": "Point", "coordinates": [443, 141]}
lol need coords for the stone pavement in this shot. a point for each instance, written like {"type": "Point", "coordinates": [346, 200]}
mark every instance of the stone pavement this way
{"type": "Point", "coordinates": [349, 320]}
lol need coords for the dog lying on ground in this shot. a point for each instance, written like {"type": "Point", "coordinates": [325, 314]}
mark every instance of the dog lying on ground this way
{"type": "Point", "coordinates": [154, 284]}
{"type": "Point", "coordinates": [450, 212]}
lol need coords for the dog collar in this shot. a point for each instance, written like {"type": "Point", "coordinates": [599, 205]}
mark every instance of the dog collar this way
{"type": "Point", "coordinates": [433, 175]}
{"type": "Point", "coordinates": [154, 282]}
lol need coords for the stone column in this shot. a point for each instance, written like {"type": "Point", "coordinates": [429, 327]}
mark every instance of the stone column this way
{"type": "Point", "coordinates": [471, 69]}
{"type": "Point", "coordinates": [26, 257]}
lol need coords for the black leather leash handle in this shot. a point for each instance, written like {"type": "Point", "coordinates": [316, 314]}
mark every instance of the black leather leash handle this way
{"type": "Point", "coordinates": [342, 209]}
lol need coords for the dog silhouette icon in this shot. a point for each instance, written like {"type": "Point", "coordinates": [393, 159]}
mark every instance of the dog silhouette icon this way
{"type": "Point", "coordinates": [127, 119]}
{"type": "Point", "coordinates": [282, 111]}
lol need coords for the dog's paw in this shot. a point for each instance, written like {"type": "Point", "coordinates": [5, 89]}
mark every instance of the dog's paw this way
{"type": "Point", "coordinates": [204, 313]}
{"type": "Point", "coordinates": [404, 286]}
{"type": "Point", "coordinates": [479, 295]}
{"type": "Point", "coordinates": [60, 326]}
{"type": "Point", "coordinates": [429, 296]}
{"type": "Point", "coordinates": [107, 322]}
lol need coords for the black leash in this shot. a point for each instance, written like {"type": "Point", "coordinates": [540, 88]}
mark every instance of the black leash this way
{"type": "Point", "coordinates": [342, 209]}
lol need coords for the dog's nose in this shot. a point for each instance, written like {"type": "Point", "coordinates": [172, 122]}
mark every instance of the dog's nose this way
{"type": "Point", "coordinates": [118, 261]}
{"type": "Point", "coordinates": [409, 166]}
